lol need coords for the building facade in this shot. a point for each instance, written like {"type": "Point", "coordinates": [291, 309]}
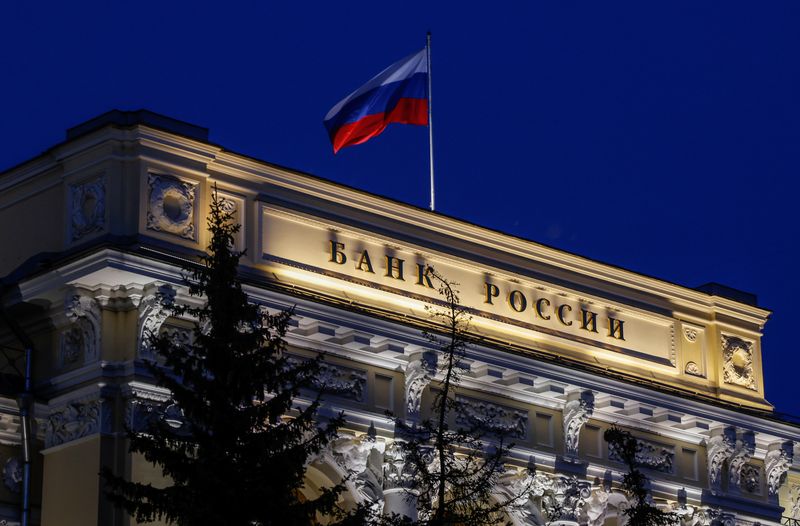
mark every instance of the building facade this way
{"type": "Point", "coordinates": [97, 228]}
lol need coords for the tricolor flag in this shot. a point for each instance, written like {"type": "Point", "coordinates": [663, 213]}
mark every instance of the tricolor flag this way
{"type": "Point", "coordinates": [397, 94]}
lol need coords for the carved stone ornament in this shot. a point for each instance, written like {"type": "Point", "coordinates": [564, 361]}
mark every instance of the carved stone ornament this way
{"type": "Point", "coordinates": [750, 479]}
{"type": "Point", "coordinates": [363, 458]}
{"type": "Point", "coordinates": [12, 474]}
{"type": "Point", "coordinates": [495, 418]}
{"type": "Point", "coordinates": [523, 488]}
{"type": "Point", "coordinates": [743, 452]}
{"type": "Point", "coordinates": [80, 340]}
{"type": "Point", "coordinates": [603, 504]}
{"type": "Point", "coordinates": [419, 372]}
{"type": "Point", "coordinates": [693, 369]}
{"type": "Point", "coordinates": [577, 410]}
{"type": "Point", "coordinates": [171, 207]}
{"type": "Point", "coordinates": [154, 309]}
{"type": "Point", "coordinates": [777, 462]}
{"type": "Point", "coordinates": [75, 420]}
{"type": "Point", "coordinates": [719, 448]}
{"type": "Point", "coordinates": [649, 455]}
{"type": "Point", "coordinates": [87, 208]}
{"type": "Point", "coordinates": [690, 334]}
{"type": "Point", "coordinates": [397, 473]}
{"type": "Point", "coordinates": [737, 365]}
{"type": "Point", "coordinates": [342, 381]}
{"type": "Point", "coordinates": [794, 495]}
{"type": "Point", "coordinates": [565, 499]}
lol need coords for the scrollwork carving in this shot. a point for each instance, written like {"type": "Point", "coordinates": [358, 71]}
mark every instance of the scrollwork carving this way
{"type": "Point", "coordinates": [154, 309]}
{"type": "Point", "coordinates": [81, 339]}
{"type": "Point", "coordinates": [419, 372]}
{"type": "Point", "coordinates": [577, 410]}
{"type": "Point", "coordinates": [87, 208]}
{"type": "Point", "coordinates": [565, 499]}
{"type": "Point", "coordinates": [743, 452]}
{"type": "Point", "coordinates": [171, 206]}
{"type": "Point", "coordinates": [494, 418]}
{"type": "Point", "coordinates": [776, 464]}
{"type": "Point", "coordinates": [72, 421]}
{"type": "Point", "coordinates": [738, 362]}
{"type": "Point", "coordinates": [363, 457]}
{"type": "Point", "coordinates": [719, 448]}
{"type": "Point", "coordinates": [649, 455]}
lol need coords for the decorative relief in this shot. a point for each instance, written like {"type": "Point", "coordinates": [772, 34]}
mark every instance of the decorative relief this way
{"type": "Point", "coordinates": [75, 420]}
{"type": "Point", "coordinates": [577, 410]}
{"type": "Point", "coordinates": [693, 369]}
{"type": "Point", "coordinates": [171, 206]}
{"type": "Point", "coordinates": [154, 309]}
{"type": "Point", "coordinates": [649, 455]}
{"type": "Point", "coordinates": [397, 473]}
{"type": "Point", "coordinates": [738, 362]}
{"type": "Point", "coordinates": [719, 448]}
{"type": "Point", "coordinates": [498, 419]}
{"type": "Point", "coordinates": [338, 380]}
{"type": "Point", "coordinates": [81, 339]}
{"type": "Point", "coordinates": [565, 499]}
{"type": "Point", "coordinates": [419, 372]}
{"type": "Point", "coordinates": [743, 452]}
{"type": "Point", "coordinates": [87, 208]}
{"type": "Point", "coordinates": [144, 406]}
{"type": "Point", "coordinates": [603, 504]}
{"type": "Point", "coordinates": [750, 479]}
{"type": "Point", "coordinates": [363, 457]}
{"type": "Point", "coordinates": [527, 487]}
{"type": "Point", "coordinates": [12, 474]}
{"type": "Point", "coordinates": [794, 495]}
{"type": "Point", "coordinates": [777, 462]}
{"type": "Point", "coordinates": [690, 334]}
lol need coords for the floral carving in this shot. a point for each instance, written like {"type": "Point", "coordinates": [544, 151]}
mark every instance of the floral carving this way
{"type": "Point", "coordinates": [12, 474]}
{"type": "Point", "coordinates": [743, 452]}
{"type": "Point", "coordinates": [794, 495]}
{"type": "Point", "coordinates": [719, 449]}
{"type": "Point", "coordinates": [565, 498]}
{"type": "Point", "coordinates": [154, 309]}
{"type": "Point", "coordinates": [495, 418]}
{"type": "Point", "coordinates": [750, 478]}
{"type": "Point", "coordinates": [171, 206]}
{"type": "Point", "coordinates": [73, 421]}
{"type": "Point", "coordinates": [776, 463]}
{"type": "Point", "coordinates": [397, 473]}
{"type": "Point", "coordinates": [649, 455]}
{"type": "Point", "coordinates": [419, 372]}
{"type": "Point", "coordinates": [693, 369]}
{"type": "Point", "coordinates": [363, 457]}
{"type": "Point", "coordinates": [82, 337]}
{"type": "Point", "coordinates": [88, 208]}
{"type": "Point", "coordinates": [738, 362]}
{"type": "Point", "coordinates": [526, 486]}
{"type": "Point", "coordinates": [338, 380]}
{"type": "Point", "coordinates": [577, 410]}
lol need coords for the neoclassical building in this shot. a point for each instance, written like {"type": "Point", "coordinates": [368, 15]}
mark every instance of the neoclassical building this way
{"type": "Point", "coordinates": [96, 229]}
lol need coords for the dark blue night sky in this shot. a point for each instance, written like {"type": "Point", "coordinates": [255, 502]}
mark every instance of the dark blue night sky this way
{"type": "Point", "coordinates": [661, 137]}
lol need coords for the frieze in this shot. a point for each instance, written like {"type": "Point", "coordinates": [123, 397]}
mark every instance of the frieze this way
{"type": "Point", "coordinates": [495, 418]}
{"type": "Point", "coordinates": [738, 362]}
{"type": "Point", "coordinates": [650, 455]}
{"type": "Point", "coordinates": [87, 208]}
{"type": "Point", "coordinates": [76, 419]}
{"type": "Point", "coordinates": [338, 380]}
{"type": "Point", "coordinates": [171, 206]}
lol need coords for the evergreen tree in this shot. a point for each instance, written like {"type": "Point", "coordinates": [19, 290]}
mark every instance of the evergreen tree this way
{"type": "Point", "coordinates": [456, 469]}
{"type": "Point", "coordinates": [239, 456]}
{"type": "Point", "coordinates": [641, 511]}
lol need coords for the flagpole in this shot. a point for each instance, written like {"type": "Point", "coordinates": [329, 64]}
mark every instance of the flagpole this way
{"type": "Point", "coordinates": [430, 114]}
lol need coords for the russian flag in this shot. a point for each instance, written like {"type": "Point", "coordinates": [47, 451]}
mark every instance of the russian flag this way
{"type": "Point", "coordinates": [397, 94]}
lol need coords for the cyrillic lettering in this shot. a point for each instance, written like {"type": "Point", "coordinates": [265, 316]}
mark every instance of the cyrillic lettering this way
{"type": "Point", "coordinates": [517, 301]}
{"type": "Point", "coordinates": [364, 260]}
{"type": "Point", "coordinates": [588, 320]}
{"type": "Point", "coordinates": [540, 309]}
{"type": "Point", "coordinates": [424, 275]}
{"type": "Point", "coordinates": [560, 314]}
{"type": "Point", "coordinates": [491, 292]}
{"type": "Point", "coordinates": [337, 256]}
{"type": "Point", "coordinates": [616, 329]}
{"type": "Point", "coordinates": [394, 268]}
